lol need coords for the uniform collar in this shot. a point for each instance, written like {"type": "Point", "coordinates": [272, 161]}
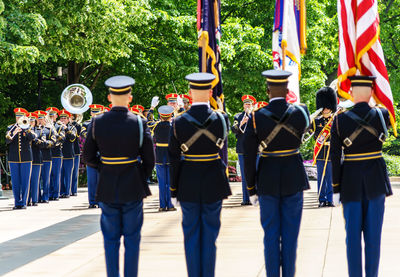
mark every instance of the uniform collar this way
{"type": "Point", "coordinates": [361, 105]}
{"type": "Point", "coordinates": [201, 103]}
{"type": "Point", "coordinates": [119, 108]}
{"type": "Point", "coordinates": [276, 99]}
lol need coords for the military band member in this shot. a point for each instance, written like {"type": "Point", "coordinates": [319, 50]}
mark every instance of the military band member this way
{"type": "Point", "coordinates": [92, 173]}
{"type": "Point", "coordinates": [280, 178]}
{"type": "Point", "coordinates": [327, 100]}
{"type": "Point", "coordinates": [50, 139]}
{"type": "Point", "coordinates": [360, 177]}
{"type": "Point", "coordinates": [56, 152]}
{"type": "Point", "coordinates": [68, 154]}
{"type": "Point", "coordinates": [198, 175]}
{"type": "Point", "coordinates": [239, 126]}
{"type": "Point", "coordinates": [20, 158]}
{"type": "Point", "coordinates": [160, 131]}
{"type": "Point", "coordinates": [37, 144]}
{"type": "Point", "coordinates": [120, 137]}
{"type": "Point", "coordinates": [175, 101]}
{"type": "Point", "coordinates": [77, 157]}
{"type": "Point", "coordinates": [187, 101]}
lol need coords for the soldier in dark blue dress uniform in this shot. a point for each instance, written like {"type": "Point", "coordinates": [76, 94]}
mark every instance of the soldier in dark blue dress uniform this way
{"type": "Point", "coordinates": [37, 160]}
{"type": "Point", "coordinates": [47, 134]}
{"type": "Point", "coordinates": [67, 167]}
{"type": "Point", "coordinates": [198, 175]}
{"type": "Point", "coordinates": [239, 126]}
{"type": "Point", "coordinates": [327, 100]}
{"type": "Point", "coordinates": [20, 158]}
{"type": "Point", "coordinates": [160, 131]}
{"type": "Point", "coordinates": [360, 177]}
{"type": "Point", "coordinates": [280, 178]}
{"type": "Point", "coordinates": [77, 157]}
{"type": "Point", "coordinates": [121, 138]}
{"type": "Point", "coordinates": [56, 152]}
{"type": "Point", "coordinates": [92, 173]}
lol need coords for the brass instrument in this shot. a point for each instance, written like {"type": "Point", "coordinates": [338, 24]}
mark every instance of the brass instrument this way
{"type": "Point", "coordinates": [22, 123]}
{"type": "Point", "coordinates": [76, 99]}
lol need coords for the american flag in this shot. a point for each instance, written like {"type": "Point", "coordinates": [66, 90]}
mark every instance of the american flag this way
{"type": "Point", "coordinates": [360, 50]}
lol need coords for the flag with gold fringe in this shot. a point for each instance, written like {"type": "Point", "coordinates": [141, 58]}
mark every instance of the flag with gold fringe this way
{"type": "Point", "coordinates": [289, 41]}
{"type": "Point", "coordinates": [360, 50]}
{"type": "Point", "coordinates": [209, 36]}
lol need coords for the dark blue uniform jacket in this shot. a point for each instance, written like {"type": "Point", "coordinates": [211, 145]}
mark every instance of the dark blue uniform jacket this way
{"type": "Point", "coordinates": [353, 179]}
{"type": "Point", "coordinates": [20, 146]}
{"type": "Point", "coordinates": [200, 182]}
{"type": "Point", "coordinates": [115, 134]}
{"type": "Point", "coordinates": [277, 176]}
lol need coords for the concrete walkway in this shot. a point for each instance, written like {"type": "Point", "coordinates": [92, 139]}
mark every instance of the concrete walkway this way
{"type": "Point", "coordinates": [33, 243]}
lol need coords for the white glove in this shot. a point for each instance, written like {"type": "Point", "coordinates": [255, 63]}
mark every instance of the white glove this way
{"type": "Point", "coordinates": [179, 101]}
{"type": "Point", "coordinates": [175, 202]}
{"type": "Point", "coordinates": [254, 200]}
{"type": "Point", "coordinates": [336, 199]}
{"type": "Point", "coordinates": [155, 101]}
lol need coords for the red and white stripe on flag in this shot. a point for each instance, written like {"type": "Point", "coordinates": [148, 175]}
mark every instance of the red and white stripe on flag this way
{"type": "Point", "coordinates": [360, 50]}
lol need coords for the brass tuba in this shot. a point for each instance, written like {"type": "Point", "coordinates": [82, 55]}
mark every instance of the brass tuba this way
{"type": "Point", "coordinates": [76, 98]}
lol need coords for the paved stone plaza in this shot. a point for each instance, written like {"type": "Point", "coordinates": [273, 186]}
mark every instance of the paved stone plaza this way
{"type": "Point", "coordinates": [63, 239]}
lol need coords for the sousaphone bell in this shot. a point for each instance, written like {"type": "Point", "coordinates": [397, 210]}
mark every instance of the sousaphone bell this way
{"type": "Point", "coordinates": [76, 98]}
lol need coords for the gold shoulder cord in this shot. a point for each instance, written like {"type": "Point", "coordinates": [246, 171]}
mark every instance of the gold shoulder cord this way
{"type": "Point", "coordinates": [254, 122]}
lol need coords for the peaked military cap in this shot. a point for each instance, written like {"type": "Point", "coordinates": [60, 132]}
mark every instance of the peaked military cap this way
{"type": "Point", "coordinates": [96, 108]}
{"type": "Point", "coordinates": [277, 77]}
{"type": "Point", "coordinates": [120, 85]}
{"type": "Point", "coordinates": [172, 97]}
{"type": "Point", "coordinates": [64, 113]}
{"type": "Point", "coordinates": [261, 104]}
{"type": "Point", "coordinates": [249, 99]}
{"type": "Point", "coordinates": [20, 111]}
{"type": "Point", "coordinates": [326, 98]}
{"type": "Point", "coordinates": [32, 116]}
{"type": "Point", "coordinates": [138, 107]}
{"type": "Point", "coordinates": [52, 110]}
{"type": "Point", "coordinates": [362, 81]}
{"type": "Point", "coordinates": [186, 98]}
{"type": "Point", "coordinates": [41, 114]}
{"type": "Point", "coordinates": [165, 110]}
{"type": "Point", "coordinates": [201, 81]}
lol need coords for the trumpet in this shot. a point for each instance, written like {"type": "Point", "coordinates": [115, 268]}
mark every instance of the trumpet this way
{"type": "Point", "coordinates": [23, 123]}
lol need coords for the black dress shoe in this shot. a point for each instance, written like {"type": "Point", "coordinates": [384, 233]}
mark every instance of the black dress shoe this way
{"type": "Point", "coordinates": [29, 204]}
{"type": "Point", "coordinates": [245, 203]}
{"type": "Point", "coordinates": [171, 209]}
{"type": "Point", "coordinates": [162, 209]}
{"type": "Point", "coordinates": [74, 194]}
{"type": "Point", "coordinates": [22, 207]}
{"type": "Point", "coordinates": [329, 204]}
{"type": "Point", "coordinates": [16, 207]}
{"type": "Point", "coordinates": [50, 198]}
{"type": "Point", "coordinates": [92, 206]}
{"type": "Point", "coordinates": [322, 204]}
{"type": "Point", "coordinates": [34, 204]}
{"type": "Point", "coordinates": [45, 201]}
